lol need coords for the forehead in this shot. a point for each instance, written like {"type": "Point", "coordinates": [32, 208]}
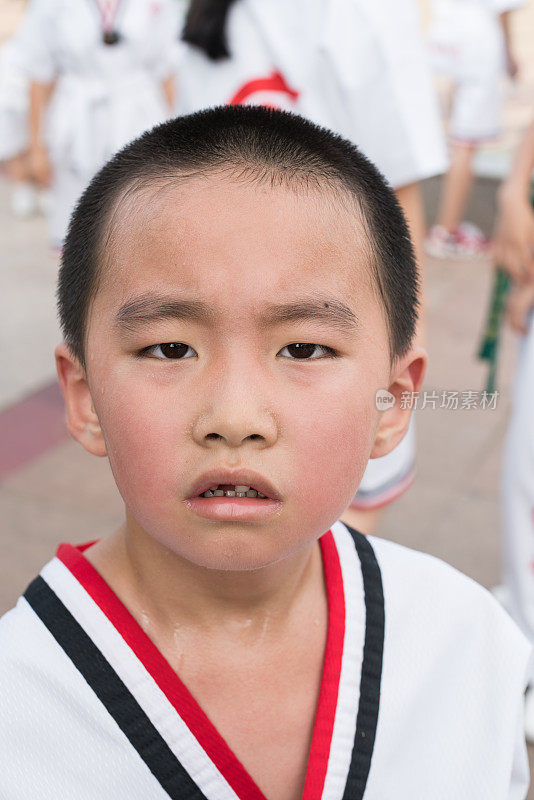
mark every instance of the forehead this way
{"type": "Point", "coordinates": [234, 242]}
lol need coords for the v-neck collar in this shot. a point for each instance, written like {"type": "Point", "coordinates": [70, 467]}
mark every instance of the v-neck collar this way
{"type": "Point", "coordinates": [209, 738]}
{"type": "Point", "coordinates": [164, 724]}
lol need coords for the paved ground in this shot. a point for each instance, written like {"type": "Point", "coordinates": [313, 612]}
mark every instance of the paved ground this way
{"type": "Point", "coordinates": [51, 490]}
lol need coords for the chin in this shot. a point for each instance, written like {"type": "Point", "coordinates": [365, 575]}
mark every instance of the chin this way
{"type": "Point", "coordinates": [241, 553]}
{"type": "Point", "coordinates": [239, 559]}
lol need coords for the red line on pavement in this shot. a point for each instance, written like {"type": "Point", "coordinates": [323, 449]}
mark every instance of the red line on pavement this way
{"type": "Point", "coordinates": [30, 427]}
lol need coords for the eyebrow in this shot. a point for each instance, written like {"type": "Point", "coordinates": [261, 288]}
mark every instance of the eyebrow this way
{"type": "Point", "coordinates": [151, 307]}
{"type": "Point", "coordinates": [325, 310]}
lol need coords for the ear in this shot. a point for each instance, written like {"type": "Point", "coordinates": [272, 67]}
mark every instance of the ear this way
{"type": "Point", "coordinates": [82, 420]}
{"type": "Point", "coordinates": [406, 381]}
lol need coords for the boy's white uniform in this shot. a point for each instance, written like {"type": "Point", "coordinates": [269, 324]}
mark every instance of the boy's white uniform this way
{"type": "Point", "coordinates": [421, 694]}
{"type": "Point", "coordinates": [467, 46]}
{"type": "Point", "coordinates": [104, 95]}
{"type": "Point", "coordinates": [355, 66]}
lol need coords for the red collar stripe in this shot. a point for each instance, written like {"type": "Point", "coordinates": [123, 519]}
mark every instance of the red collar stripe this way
{"type": "Point", "coordinates": [328, 696]}
{"type": "Point", "coordinates": [162, 673]}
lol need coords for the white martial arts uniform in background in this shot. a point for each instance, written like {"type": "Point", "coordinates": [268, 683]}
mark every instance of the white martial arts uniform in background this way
{"type": "Point", "coordinates": [14, 102]}
{"type": "Point", "coordinates": [421, 695]}
{"type": "Point", "coordinates": [358, 67]}
{"type": "Point", "coordinates": [104, 95]}
{"type": "Point", "coordinates": [518, 498]}
{"type": "Point", "coordinates": [354, 66]}
{"type": "Point", "coordinates": [467, 47]}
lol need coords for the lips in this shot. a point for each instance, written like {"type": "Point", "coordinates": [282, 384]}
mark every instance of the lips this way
{"type": "Point", "coordinates": [228, 480]}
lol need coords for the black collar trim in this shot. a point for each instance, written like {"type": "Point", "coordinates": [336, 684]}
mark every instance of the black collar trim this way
{"type": "Point", "coordinates": [112, 692]}
{"type": "Point", "coordinates": [373, 650]}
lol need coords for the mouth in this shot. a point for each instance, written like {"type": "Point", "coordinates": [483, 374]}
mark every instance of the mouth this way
{"type": "Point", "coordinates": [231, 495]}
{"type": "Point", "coordinates": [245, 484]}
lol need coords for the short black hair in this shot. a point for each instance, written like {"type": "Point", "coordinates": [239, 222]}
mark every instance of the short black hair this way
{"type": "Point", "coordinates": [266, 144]}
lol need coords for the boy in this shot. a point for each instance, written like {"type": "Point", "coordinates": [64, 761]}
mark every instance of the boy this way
{"type": "Point", "coordinates": [236, 288]}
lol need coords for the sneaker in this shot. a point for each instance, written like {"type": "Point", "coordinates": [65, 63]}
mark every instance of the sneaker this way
{"type": "Point", "coordinates": [440, 242]}
{"type": "Point", "coordinates": [469, 240]}
{"type": "Point", "coordinates": [23, 200]}
{"type": "Point", "coordinates": [529, 715]}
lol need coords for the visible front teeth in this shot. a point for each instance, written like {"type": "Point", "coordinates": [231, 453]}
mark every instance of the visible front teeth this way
{"type": "Point", "coordinates": [239, 491]}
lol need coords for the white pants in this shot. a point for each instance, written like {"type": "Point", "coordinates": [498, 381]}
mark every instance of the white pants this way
{"type": "Point", "coordinates": [518, 496]}
{"type": "Point", "coordinates": [387, 477]}
{"type": "Point", "coordinates": [467, 46]}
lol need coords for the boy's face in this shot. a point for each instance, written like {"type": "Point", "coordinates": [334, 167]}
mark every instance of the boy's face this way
{"type": "Point", "coordinates": [235, 274]}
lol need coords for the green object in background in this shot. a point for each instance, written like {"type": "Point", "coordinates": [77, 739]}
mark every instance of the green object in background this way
{"type": "Point", "coordinates": [489, 347]}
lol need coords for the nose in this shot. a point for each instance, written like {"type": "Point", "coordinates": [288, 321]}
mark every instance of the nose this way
{"type": "Point", "coordinates": [236, 414]}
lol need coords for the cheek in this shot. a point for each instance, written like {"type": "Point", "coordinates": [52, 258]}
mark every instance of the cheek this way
{"type": "Point", "coordinates": [143, 444]}
{"type": "Point", "coordinates": [332, 448]}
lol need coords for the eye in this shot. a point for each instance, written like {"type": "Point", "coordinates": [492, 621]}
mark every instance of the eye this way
{"type": "Point", "coordinates": [169, 350]}
{"type": "Point", "coordinates": [305, 351]}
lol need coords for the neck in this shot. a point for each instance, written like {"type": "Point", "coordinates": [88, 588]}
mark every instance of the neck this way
{"type": "Point", "coordinates": [163, 588]}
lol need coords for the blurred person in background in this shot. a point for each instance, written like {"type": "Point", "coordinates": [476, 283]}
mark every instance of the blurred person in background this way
{"type": "Point", "coordinates": [358, 67]}
{"type": "Point", "coordinates": [25, 196]}
{"type": "Point", "coordinates": [514, 251]}
{"type": "Point", "coordinates": [470, 46]}
{"type": "Point", "coordinates": [101, 73]}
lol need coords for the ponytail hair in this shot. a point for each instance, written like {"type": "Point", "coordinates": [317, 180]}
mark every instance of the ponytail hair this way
{"type": "Point", "coordinates": [205, 27]}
